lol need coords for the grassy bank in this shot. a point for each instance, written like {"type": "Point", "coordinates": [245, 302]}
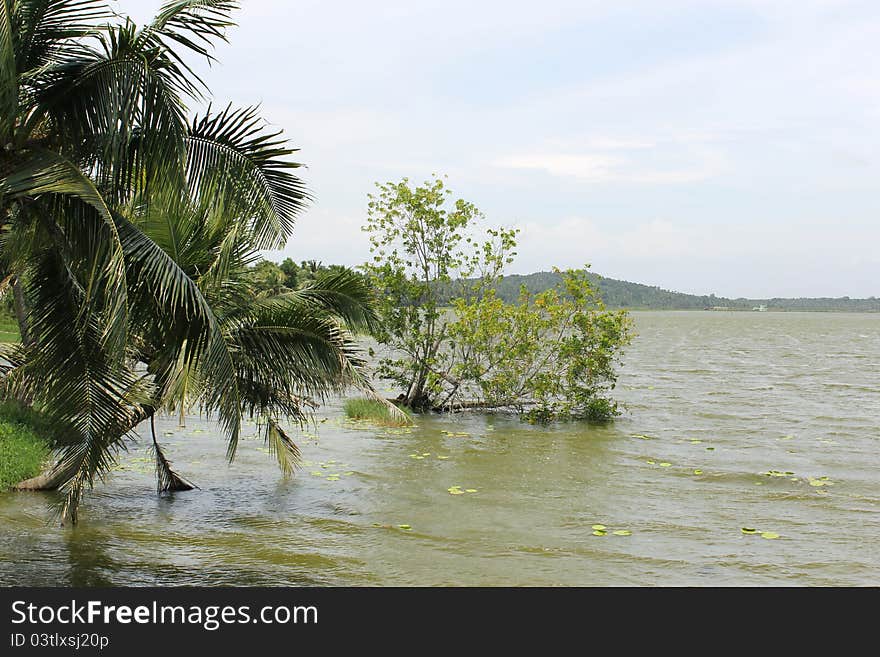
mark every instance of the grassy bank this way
{"type": "Point", "coordinates": [24, 449]}
{"type": "Point", "coordinates": [361, 408]}
{"type": "Point", "coordinates": [8, 328]}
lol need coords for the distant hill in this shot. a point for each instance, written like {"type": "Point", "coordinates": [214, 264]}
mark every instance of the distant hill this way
{"type": "Point", "coordinates": [623, 294]}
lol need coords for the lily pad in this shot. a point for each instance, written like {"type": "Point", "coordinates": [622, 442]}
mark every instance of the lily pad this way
{"type": "Point", "coordinates": [769, 535]}
{"type": "Point", "coordinates": [405, 527]}
{"type": "Point", "coordinates": [470, 490]}
{"type": "Point", "coordinates": [599, 532]}
{"type": "Point", "coordinates": [698, 472]}
{"type": "Point", "coordinates": [598, 527]}
{"type": "Point", "coordinates": [749, 530]}
{"type": "Point", "coordinates": [665, 464]}
{"type": "Point", "coordinates": [622, 532]}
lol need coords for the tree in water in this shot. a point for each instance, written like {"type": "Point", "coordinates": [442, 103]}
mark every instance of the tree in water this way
{"type": "Point", "coordinates": [453, 344]}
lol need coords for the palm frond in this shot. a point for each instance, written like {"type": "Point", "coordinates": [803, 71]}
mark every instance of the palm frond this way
{"type": "Point", "coordinates": [231, 158]}
{"type": "Point", "coordinates": [282, 447]}
{"type": "Point", "coordinates": [116, 94]}
{"type": "Point", "coordinates": [84, 391]}
{"type": "Point", "coordinates": [173, 303]}
{"type": "Point", "coordinates": [8, 72]}
{"type": "Point", "coordinates": [47, 28]}
{"type": "Point", "coordinates": [167, 480]}
{"type": "Point", "coordinates": [69, 204]}
{"type": "Point", "coordinates": [342, 292]}
{"type": "Point", "coordinates": [194, 24]}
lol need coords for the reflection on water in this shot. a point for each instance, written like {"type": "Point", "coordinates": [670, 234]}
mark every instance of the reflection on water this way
{"type": "Point", "coordinates": [715, 400]}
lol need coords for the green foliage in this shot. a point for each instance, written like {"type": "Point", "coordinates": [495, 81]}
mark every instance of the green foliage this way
{"type": "Point", "coordinates": [547, 356]}
{"type": "Point", "coordinates": [363, 408]}
{"type": "Point", "coordinates": [267, 278]}
{"type": "Point", "coordinates": [24, 448]}
{"type": "Point", "coordinates": [421, 240]}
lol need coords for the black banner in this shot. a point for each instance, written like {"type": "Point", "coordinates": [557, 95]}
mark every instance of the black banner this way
{"type": "Point", "coordinates": [121, 620]}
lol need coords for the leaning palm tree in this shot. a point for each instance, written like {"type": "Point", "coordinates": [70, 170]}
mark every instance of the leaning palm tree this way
{"type": "Point", "coordinates": [122, 224]}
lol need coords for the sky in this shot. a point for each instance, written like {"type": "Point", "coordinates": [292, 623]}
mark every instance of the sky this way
{"type": "Point", "coordinates": [711, 146]}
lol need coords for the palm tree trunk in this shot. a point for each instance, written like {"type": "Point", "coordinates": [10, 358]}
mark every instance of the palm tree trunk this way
{"type": "Point", "coordinates": [21, 312]}
{"type": "Point", "coordinates": [52, 478]}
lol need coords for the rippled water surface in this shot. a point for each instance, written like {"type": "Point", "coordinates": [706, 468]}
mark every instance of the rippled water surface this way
{"type": "Point", "coordinates": [731, 395]}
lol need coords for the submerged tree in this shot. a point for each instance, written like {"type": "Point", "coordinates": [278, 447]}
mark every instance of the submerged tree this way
{"type": "Point", "coordinates": [125, 226]}
{"type": "Point", "coordinates": [453, 344]}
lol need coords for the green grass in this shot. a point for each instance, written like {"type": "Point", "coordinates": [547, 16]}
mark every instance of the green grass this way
{"type": "Point", "coordinates": [361, 408]}
{"type": "Point", "coordinates": [23, 448]}
{"type": "Point", "coordinates": [8, 329]}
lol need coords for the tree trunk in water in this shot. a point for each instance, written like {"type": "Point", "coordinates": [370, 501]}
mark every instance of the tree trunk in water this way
{"type": "Point", "coordinates": [54, 478]}
{"type": "Point", "coordinates": [47, 481]}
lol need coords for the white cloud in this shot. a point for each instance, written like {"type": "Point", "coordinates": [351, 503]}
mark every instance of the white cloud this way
{"type": "Point", "coordinates": [597, 168]}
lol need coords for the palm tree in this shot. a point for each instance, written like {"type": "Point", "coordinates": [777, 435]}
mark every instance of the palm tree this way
{"type": "Point", "coordinates": [123, 224]}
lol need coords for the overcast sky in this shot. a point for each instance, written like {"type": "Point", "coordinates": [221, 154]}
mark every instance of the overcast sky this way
{"type": "Point", "coordinates": [725, 146]}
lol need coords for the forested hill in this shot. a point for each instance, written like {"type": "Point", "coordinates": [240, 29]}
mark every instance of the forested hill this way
{"type": "Point", "coordinates": [623, 294]}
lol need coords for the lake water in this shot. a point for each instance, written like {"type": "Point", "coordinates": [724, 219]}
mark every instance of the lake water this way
{"type": "Point", "coordinates": [715, 400]}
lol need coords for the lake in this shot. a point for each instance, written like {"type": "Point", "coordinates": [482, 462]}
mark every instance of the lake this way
{"type": "Point", "coordinates": [715, 402]}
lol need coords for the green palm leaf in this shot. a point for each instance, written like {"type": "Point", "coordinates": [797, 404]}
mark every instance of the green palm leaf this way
{"type": "Point", "coordinates": [87, 393]}
{"type": "Point", "coordinates": [231, 158]}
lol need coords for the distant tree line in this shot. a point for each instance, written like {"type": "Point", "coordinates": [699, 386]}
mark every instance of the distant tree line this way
{"type": "Point", "coordinates": [271, 278]}
{"type": "Point", "coordinates": [623, 294]}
